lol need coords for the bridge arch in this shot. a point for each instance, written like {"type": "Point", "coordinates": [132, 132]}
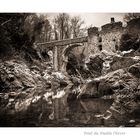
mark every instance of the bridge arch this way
{"type": "Point", "coordinates": [60, 49]}
{"type": "Point", "coordinates": [65, 53]}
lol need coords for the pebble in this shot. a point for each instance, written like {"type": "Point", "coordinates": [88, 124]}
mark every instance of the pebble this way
{"type": "Point", "coordinates": [132, 121]}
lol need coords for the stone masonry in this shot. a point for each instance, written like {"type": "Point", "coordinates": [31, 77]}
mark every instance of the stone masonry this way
{"type": "Point", "coordinates": [108, 38]}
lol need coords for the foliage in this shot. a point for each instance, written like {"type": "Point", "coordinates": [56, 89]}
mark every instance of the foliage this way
{"type": "Point", "coordinates": [129, 41]}
{"type": "Point", "coordinates": [20, 30]}
{"type": "Point", "coordinates": [66, 26]}
{"type": "Point", "coordinates": [76, 24]}
{"type": "Point", "coordinates": [38, 27]}
{"type": "Point", "coordinates": [130, 16]}
{"type": "Point", "coordinates": [61, 23]}
{"type": "Point", "coordinates": [12, 35]}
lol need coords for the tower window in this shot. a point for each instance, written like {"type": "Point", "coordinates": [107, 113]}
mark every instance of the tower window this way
{"type": "Point", "coordinates": [100, 47]}
{"type": "Point", "coordinates": [100, 39]}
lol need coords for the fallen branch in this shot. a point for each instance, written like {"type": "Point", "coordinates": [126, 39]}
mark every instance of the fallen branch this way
{"type": "Point", "coordinates": [81, 78]}
{"type": "Point", "coordinates": [5, 22]}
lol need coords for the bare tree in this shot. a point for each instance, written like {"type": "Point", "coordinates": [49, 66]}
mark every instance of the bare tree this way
{"type": "Point", "coordinates": [61, 23]}
{"type": "Point", "coordinates": [67, 26]}
{"type": "Point", "coordinates": [46, 29]}
{"type": "Point", "coordinates": [76, 24]}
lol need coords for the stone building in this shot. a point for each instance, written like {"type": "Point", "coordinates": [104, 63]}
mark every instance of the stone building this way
{"type": "Point", "coordinates": [108, 38]}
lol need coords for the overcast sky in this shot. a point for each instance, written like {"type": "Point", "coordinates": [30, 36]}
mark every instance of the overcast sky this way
{"type": "Point", "coordinates": [95, 19]}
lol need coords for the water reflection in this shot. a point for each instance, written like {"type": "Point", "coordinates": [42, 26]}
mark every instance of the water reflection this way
{"type": "Point", "coordinates": [53, 107]}
{"type": "Point", "coordinates": [68, 110]}
{"type": "Point", "coordinates": [88, 111]}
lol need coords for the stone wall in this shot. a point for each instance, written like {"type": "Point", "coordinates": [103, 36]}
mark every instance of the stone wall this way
{"type": "Point", "coordinates": [111, 35]}
{"type": "Point", "coordinates": [93, 35]}
{"type": "Point", "coordinates": [60, 58]}
{"type": "Point", "coordinates": [107, 39]}
{"type": "Point", "coordinates": [58, 48]}
{"type": "Point", "coordinates": [77, 49]}
{"type": "Point", "coordinates": [111, 40]}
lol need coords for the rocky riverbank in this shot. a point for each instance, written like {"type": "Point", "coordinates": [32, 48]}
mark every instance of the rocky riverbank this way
{"type": "Point", "coordinates": [118, 80]}
{"type": "Point", "coordinates": [28, 93]}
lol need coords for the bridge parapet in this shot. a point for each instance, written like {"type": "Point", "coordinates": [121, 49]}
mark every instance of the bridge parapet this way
{"type": "Point", "coordinates": [64, 42]}
{"type": "Point", "coordinates": [59, 47]}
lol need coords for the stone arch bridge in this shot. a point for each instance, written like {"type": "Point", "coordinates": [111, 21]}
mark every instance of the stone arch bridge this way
{"type": "Point", "coordinates": [61, 50]}
{"type": "Point", "coordinates": [106, 39]}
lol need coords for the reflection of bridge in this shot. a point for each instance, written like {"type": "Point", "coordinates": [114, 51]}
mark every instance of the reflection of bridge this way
{"type": "Point", "coordinates": [61, 49]}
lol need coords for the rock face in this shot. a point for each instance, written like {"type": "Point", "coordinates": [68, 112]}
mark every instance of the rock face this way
{"type": "Point", "coordinates": [25, 108]}
{"type": "Point", "coordinates": [119, 80]}
{"type": "Point", "coordinates": [18, 75]}
{"type": "Point", "coordinates": [26, 101]}
{"type": "Point", "coordinates": [15, 75]}
{"type": "Point", "coordinates": [135, 70]}
{"type": "Point", "coordinates": [122, 62]}
{"type": "Point", "coordinates": [95, 65]}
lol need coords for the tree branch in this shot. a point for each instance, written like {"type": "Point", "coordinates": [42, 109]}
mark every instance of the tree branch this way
{"type": "Point", "coordinates": [6, 22]}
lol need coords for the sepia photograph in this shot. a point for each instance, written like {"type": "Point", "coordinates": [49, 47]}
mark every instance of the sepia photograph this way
{"type": "Point", "coordinates": [67, 69]}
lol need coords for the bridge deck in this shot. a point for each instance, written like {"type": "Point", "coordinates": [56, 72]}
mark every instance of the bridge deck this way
{"type": "Point", "coordinates": [64, 42]}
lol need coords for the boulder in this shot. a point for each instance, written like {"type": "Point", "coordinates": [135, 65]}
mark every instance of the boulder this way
{"type": "Point", "coordinates": [135, 70]}
{"type": "Point", "coordinates": [89, 89]}
{"type": "Point", "coordinates": [95, 65]}
{"type": "Point", "coordinates": [123, 88]}
{"type": "Point", "coordinates": [122, 62]}
{"type": "Point", "coordinates": [105, 89]}
{"type": "Point", "coordinates": [59, 79]}
{"type": "Point", "coordinates": [15, 75]}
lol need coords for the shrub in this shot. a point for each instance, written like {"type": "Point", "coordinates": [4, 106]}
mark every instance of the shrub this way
{"type": "Point", "coordinates": [129, 41]}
